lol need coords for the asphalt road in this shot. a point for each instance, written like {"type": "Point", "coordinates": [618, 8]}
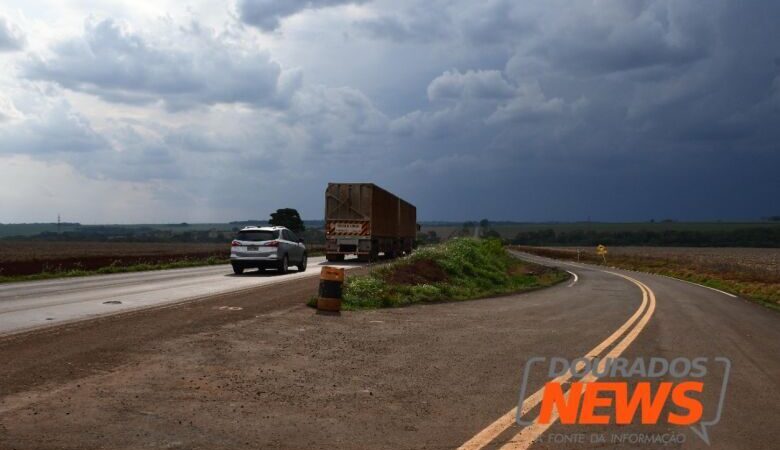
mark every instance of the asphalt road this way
{"type": "Point", "coordinates": [29, 305]}
{"type": "Point", "coordinates": [682, 320]}
{"type": "Point", "coordinates": [268, 372]}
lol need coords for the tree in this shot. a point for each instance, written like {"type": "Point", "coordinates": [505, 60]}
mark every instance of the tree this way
{"type": "Point", "coordinates": [287, 217]}
{"type": "Point", "coordinates": [491, 233]}
{"type": "Point", "coordinates": [484, 223]}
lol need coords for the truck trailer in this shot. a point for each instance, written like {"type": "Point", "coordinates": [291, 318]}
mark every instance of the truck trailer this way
{"type": "Point", "coordinates": [365, 220]}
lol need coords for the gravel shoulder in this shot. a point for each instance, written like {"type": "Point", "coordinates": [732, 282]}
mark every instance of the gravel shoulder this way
{"type": "Point", "coordinates": [275, 374]}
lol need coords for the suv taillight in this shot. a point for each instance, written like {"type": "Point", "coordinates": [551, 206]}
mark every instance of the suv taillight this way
{"type": "Point", "coordinates": [271, 244]}
{"type": "Point", "coordinates": [235, 244]}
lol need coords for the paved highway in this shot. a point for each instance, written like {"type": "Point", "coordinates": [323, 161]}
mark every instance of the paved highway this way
{"type": "Point", "coordinates": [270, 372]}
{"type": "Point", "coordinates": [675, 319]}
{"type": "Point", "coordinates": [28, 305]}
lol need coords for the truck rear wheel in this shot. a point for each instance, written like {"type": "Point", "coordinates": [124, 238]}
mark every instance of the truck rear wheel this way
{"type": "Point", "coordinates": [373, 256]}
{"type": "Point", "coordinates": [333, 257]}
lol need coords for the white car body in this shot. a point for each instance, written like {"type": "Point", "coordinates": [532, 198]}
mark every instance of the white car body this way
{"type": "Point", "coordinates": [267, 247]}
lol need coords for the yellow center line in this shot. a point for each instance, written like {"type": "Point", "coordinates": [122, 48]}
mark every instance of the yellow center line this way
{"type": "Point", "coordinates": [529, 434]}
{"type": "Point", "coordinates": [525, 438]}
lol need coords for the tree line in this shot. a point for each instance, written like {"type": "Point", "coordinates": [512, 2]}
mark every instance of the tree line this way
{"type": "Point", "coordinates": [741, 237]}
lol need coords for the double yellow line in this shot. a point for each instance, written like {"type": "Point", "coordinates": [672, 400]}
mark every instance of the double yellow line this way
{"type": "Point", "coordinates": [526, 437]}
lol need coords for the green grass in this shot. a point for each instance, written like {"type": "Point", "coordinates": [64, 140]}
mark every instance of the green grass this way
{"type": "Point", "coordinates": [460, 269]}
{"type": "Point", "coordinates": [116, 269]}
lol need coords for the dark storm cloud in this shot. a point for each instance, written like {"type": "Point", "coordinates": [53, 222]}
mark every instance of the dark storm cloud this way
{"type": "Point", "coordinates": [120, 65]}
{"type": "Point", "coordinates": [11, 37]}
{"type": "Point", "coordinates": [605, 100]}
{"type": "Point", "coordinates": [509, 110]}
{"type": "Point", "coordinates": [661, 34]}
{"type": "Point", "coordinates": [267, 14]}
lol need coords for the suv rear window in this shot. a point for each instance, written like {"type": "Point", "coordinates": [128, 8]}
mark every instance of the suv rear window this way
{"type": "Point", "coordinates": [257, 235]}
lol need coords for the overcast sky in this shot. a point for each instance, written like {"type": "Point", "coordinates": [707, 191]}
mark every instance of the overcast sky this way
{"type": "Point", "coordinates": [198, 111]}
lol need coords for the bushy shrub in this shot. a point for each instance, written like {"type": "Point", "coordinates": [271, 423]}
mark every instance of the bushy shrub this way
{"type": "Point", "coordinates": [474, 268]}
{"type": "Point", "coordinates": [364, 292]}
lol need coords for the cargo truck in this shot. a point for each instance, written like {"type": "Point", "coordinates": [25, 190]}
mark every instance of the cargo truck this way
{"type": "Point", "coordinates": [365, 220]}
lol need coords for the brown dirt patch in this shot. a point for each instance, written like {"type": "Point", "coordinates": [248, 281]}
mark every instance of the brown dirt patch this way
{"type": "Point", "coordinates": [96, 262]}
{"type": "Point", "coordinates": [277, 375]}
{"type": "Point", "coordinates": [32, 257]}
{"type": "Point", "coordinates": [417, 272]}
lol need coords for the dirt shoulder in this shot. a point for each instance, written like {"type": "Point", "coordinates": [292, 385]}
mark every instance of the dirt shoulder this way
{"type": "Point", "coordinates": [73, 351]}
{"type": "Point", "coordinates": [275, 374]}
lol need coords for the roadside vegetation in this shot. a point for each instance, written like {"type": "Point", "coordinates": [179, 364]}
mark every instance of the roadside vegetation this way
{"type": "Point", "coordinates": [749, 279]}
{"type": "Point", "coordinates": [115, 268]}
{"type": "Point", "coordinates": [460, 269]}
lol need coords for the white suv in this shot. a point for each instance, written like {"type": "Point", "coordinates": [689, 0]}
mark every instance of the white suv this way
{"type": "Point", "coordinates": [267, 247]}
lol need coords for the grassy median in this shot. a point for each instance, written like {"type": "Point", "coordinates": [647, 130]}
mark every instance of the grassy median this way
{"type": "Point", "coordinates": [460, 269]}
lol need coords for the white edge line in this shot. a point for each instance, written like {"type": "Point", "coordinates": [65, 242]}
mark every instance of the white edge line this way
{"type": "Point", "coordinates": [575, 278]}
{"type": "Point", "coordinates": [643, 315]}
{"type": "Point", "coordinates": [636, 271]}
{"type": "Point", "coordinates": [700, 285]}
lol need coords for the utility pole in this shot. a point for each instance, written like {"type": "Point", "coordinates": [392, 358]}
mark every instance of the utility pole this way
{"type": "Point", "coordinates": [58, 223]}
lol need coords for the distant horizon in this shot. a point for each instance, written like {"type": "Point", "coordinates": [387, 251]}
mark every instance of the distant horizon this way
{"type": "Point", "coordinates": [448, 222]}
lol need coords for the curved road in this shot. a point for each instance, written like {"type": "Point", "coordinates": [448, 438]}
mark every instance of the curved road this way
{"type": "Point", "coordinates": [273, 373]}
{"type": "Point", "coordinates": [682, 320]}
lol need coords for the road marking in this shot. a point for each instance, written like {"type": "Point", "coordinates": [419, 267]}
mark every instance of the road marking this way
{"type": "Point", "coordinates": [574, 280]}
{"type": "Point", "coordinates": [701, 285]}
{"type": "Point", "coordinates": [524, 438]}
{"type": "Point", "coordinates": [569, 263]}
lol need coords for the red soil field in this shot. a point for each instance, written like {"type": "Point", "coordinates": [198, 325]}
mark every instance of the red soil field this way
{"type": "Point", "coordinates": [32, 257]}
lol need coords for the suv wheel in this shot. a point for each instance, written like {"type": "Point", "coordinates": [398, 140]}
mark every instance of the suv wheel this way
{"type": "Point", "coordinates": [302, 265]}
{"type": "Point", "coordinates": [284, 265]}
{"type": "Point", "coordinates": [238, 270]}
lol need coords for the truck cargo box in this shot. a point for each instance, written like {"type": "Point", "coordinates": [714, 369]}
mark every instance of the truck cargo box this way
{"type": "Point", "coordinates": [407, 219]}
{"type": "Point", "coordinates": [364, 219]}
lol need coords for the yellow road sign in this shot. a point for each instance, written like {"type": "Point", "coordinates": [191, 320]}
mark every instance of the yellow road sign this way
{"type": "Point", "coordinates": [602, 251]}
